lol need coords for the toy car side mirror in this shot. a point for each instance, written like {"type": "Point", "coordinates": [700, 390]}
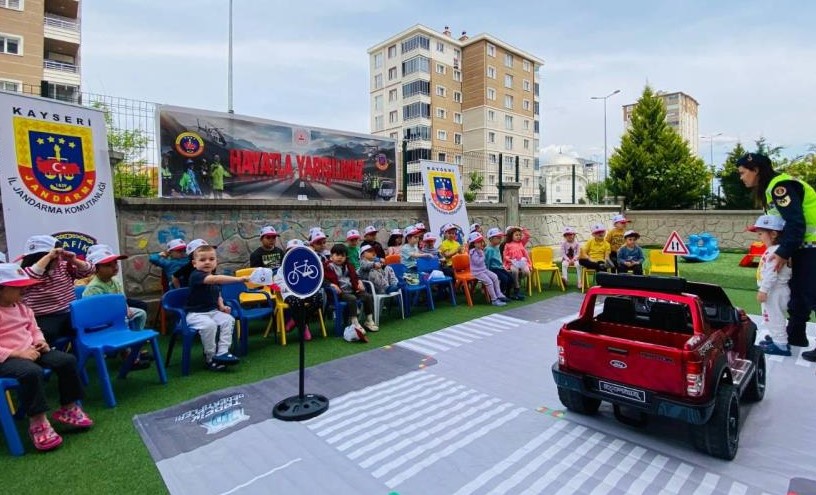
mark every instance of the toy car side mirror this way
{"type": "Point", "coordinates": [728, 344]}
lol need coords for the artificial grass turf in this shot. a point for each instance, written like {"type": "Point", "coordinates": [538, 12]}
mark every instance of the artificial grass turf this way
{"type": "Point", "coordinates": [111, 457]}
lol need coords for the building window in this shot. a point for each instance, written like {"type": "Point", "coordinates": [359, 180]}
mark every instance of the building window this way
{"type": "Point", "coordinates": [525, 104]}
{"type": "Point", "coordinates": [416, 88]}
{"type": "Point", "coordinates": [493, 159]}
{"type": "Point", "coordinates": [457, 138]}
{"type": "Point", "coordinates": [11, 44]}
{"type": "Point", "coordinates": [491, 179]}
{"type": "Point", "coordinates": [394, 135]}
{"type": "Point", "coordinates": [11, 86]}
{"type": "Point", "coordinates": [416, 64]}
{"type": "Point", "coordinates": [508, 122]}
{"type": "Point", "coordinates": [441, 113]}
{"type": "Point", "coordinates": [527, 184]}
{"type": "Point", "coordinates": [416, 110]}
{"type": "Point", "coordinates": [11, 4]}
{"type": "Point", "coordinates": [457, 97]}
{"type": "Point", "coordinates": [508, 101]}
{"type": "Point", "coordinates": [378, 102]}
{"type": "Point", "coordinates": [491, 94]}
{"type": "Point", "coordinates": [440, 47]}
{"type": "Point", "coordinates": [457, 118]}
{"type": "Point", "coordinates": [457, 75]}
{"type": "Point", "coordinates": [526, 85]}
{"type": "Point", "coordinates": [457, 159]}
{"type": "Point", "coordinates": [392, 73]}
{"type": "Point", "coordinates": [491, 72]}
{"type": "Point", "coordinates": [392, 51]}
{"type": "Point", "coordinates": [393, 117]}
{"type": "Point", "coordinates": [442, 157]}
{"type": "Point", "coordinates": [508, 143]}
{"type": "Point", "coordinates": [440, 91]}
{"type": "Point", "coordinates": [392, 95]}
{"type": "Point", "coordinates": [440, 68]}
{"type": "Point", "coordinates": [422, 132]}
{"type": "Point", "coordinates": [491, 50]}
{"type": "Point", "coordinates": [508, 81]}
{"type": "Point", "coordinates": [508, 60]}
{"type": "Point", "coordinates": [378, 60]}
{"type": "Point", "coordinates": [525, 64]}
{"type": "Point", "coordinates": [378, 82]}
{"type": "Point", "coordinates": [526, 162]}
{"type": "Point", "coordinates": [378, 123]}
{"type": "Point", "coordinates": [491, 116]}
{"type": "Point", "coordinates": [415, 42]}
{"type": "Point", "coordinates": [526, 125]}
{"type": "Point", "coordinates": [491, 137]}
{"type": "Point", "coordinates": [526, 146]}
{"type": "Point", "coordinates": [442, 135]}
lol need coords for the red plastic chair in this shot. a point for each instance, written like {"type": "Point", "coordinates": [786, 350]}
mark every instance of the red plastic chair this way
{"type": "Point", "coordinates": [464, 278]}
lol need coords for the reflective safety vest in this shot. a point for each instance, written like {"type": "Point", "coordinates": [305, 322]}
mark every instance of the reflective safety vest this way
{"type": "Point", "coordinates": [808, 204]}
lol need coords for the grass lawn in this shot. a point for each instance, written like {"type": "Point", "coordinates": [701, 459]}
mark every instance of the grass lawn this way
{"type": "Point", "coordinates": [111, 457]}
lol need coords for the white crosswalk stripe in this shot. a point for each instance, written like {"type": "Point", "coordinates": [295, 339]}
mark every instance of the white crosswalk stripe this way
{"type": "Point", "coordinates": [464, 333]}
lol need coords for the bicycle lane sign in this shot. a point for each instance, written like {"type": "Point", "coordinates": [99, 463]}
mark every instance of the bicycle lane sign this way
{"type": "Point", "coordinates": [302, 271]}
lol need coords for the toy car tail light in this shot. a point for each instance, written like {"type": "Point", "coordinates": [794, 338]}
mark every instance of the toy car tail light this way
{"type": "Point", "coordinates": [694, 378]}
{"type": "Point", "coordinates": [562, 360]}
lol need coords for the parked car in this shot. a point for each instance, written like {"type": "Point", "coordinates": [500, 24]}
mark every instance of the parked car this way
{"type": "Point", "coordinates": [387, 190]}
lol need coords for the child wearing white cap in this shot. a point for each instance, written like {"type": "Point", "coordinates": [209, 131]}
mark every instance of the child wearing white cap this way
{"type": "Point", "coordinates": [394, 243]}
{"type": "Point", "coordinates": [44, 259]}
{"type": "Point", "coordinates": [570, 249]}
{"type": "Point", "coordinates": [595, 252]}
{"type": "Point", "coordinates": [24, 353]}
{"type": "Point", "coordinates": [268, 254]}
{"type": "Point", "coordinates": [374, 270]}
{"type": "Point", "coordinates": [630, 256]}
{"type": "Point", "coordinates": [516, 259]}
{"type": "Point", "coordinates": [370, 237]}
{"type": "Point", "coordinates": [182, 275]}
{"type": "Point", "coordinates": [409, 252]}
{"type": "Point", "coordinates": [773, 292]}
{"type": "Point", "coordinates": [353, 247]}
{"type": "Point", "coordinates": [493, 259]}
{"type": "Point", "coordinates": [615, 238]}
{"type": "Point", "coordinates": [104, 281]}
{"type": "Point", "coordinates": [171, 259]}
{"type": "Point", "coordinates": [479, 270]}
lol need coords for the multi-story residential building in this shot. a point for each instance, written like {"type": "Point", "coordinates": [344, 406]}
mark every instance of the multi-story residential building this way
{"type": "Point", "coordinates": [467, 100]}
{"type": "Point", "coordinates": [681, 115]}
{"type": "Point", "coordinates": [40, 47]}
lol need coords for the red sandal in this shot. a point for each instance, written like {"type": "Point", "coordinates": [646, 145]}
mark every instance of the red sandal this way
{"type": "Point", "coordinates": [44, 437]}
{"type": "Point", "coordinates": [73, 416]}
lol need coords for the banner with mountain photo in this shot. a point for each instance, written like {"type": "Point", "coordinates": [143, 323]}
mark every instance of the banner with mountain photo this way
{"type": "Point", "coordinates": [218, 155]}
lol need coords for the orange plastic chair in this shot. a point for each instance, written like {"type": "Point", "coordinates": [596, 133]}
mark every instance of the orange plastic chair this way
{"type": "Point", "coordinates": [542, 258]}
{"type": "Point", "coordinates": [393, 259]}
{"type": "Point", "coordinates": [464, 278]}
{"type": "Point", "coordinates": [661, 264]}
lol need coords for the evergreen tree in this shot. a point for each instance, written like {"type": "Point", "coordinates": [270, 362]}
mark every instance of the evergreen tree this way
{"type": "Point", "coordinates": [654, 167]}
{"type": "Point", "coordinates": [737, 196]}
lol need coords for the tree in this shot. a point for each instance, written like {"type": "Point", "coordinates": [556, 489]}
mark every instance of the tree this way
{"type": "Point", "coordinates": [654, 167]}
{"type": "Point", "coordinates": [802, 167]}
{"type": "Point", "coordinates": [476, 184]}
{"type": "Point", "coordinates": [130, 177]}
{"type": "Point", "coordinates": [736, 195]}
{"type": "Point", "coordinates": [595, 192]}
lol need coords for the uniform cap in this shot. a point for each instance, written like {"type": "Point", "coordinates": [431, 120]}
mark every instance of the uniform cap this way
{"type": "Point", "coordinates": [176, 245]}
{"type": "Point", "coordinates": [631, 233]}
{"type": "Point", "coordinates": [420, 226]}
{"type": "Point", "coordinates": [569, 230]}
{"type": "Point", "coordinates": [494, 232]}
{"type": "Point", "coordinates": [316, 235]}
{"type": "Point", "coordinates": [370, 230]}
{"type": "Point", "coordinates": [293, 243]}
{"type": "Point", "coordinates": [195, 244]}
{"type": "Point", "coordinates": [12, 275]}
{"type": "Point", "coordinates": [268, 230]}
{"type": "Point", "coordinates": [352, 234]}
{"type": "Point", "coordinates": [597, 227]}
{"type": "Point", "coordinates": [619, 219]}
{"type": "Point", "coordinates": [474, 226]}
{"type": "Point", "coordinates": [99, 254]}
{"type": "Point", "coordinates": [261, 276]}
{"type": "Point", "coordinates": [396, 232]}
{"type": "Point", "coordinates": [364, 248]}
{"type": "Point", "coordinates": [475, 237]}
{"type": "Point", "coordinates": [39, 244]}
{"type": "Point", "coordinates": [429, 236]}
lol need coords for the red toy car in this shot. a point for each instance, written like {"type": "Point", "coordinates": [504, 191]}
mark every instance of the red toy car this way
{"type": "Point", "coordinates": [662, 346]}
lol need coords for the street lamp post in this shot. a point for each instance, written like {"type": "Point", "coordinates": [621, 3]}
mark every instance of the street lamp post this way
{"type": "Point", "coordinates": [711, 155]}
{"type": "Point", "coordinates": [606, 165]}
{"type": "Point", "coordinates": [229, 64]}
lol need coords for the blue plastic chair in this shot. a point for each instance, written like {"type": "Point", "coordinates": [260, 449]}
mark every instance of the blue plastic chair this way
{"type": "Point", "coordinates": [410, 293]}
{"type": "Point", "coordinates": [78, 291]}
{"type": "Point", "coordinates": [425, 266]}
{"type": "Point", "coordinates": [339, 310]}
{"type": "Point", "coordinates": [15, 445]}
{"type": "Point", "coordinates": [101, 328]}
{"type": "Point", "coordinates": [231, 293]}
{"type": "Point", "coordinates": [173, 302]}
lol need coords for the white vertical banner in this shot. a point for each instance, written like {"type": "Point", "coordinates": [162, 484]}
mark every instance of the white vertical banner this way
{"type": "Point", "coordinates": [444, 197]}
{"type": "Point", "coordinates": [55, 175]}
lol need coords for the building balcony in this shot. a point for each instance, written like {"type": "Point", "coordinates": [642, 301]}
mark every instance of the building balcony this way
{"type": "Point", "coordinates": [61, 29]}
{"type": "Point", "coordinates": [61, 72]}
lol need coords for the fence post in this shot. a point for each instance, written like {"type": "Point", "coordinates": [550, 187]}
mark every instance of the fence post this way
{"type": "Point", "coordinates": [501, 177]}
{"type": "Point", "coordinates": [517, 168]}
{"type": "Point", "coordinates": [405, 170]}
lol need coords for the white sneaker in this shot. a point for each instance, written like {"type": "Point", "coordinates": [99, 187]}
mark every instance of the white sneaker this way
{"type": "Point", "coordinates": [498, 302]}
{"type": "Point", "coordinates": [369, 324]}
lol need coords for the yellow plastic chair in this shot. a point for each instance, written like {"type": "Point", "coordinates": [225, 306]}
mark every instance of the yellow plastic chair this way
{"type": "Point", "coordinates": [542, 258]}
{"type": "Point", "coordinates": [587, 274]}
{"type": "Point", "coordinates": [661, 264]}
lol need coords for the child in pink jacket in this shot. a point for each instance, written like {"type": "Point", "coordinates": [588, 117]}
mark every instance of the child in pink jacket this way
{"type": "Point", "coordinates": [515, 257]}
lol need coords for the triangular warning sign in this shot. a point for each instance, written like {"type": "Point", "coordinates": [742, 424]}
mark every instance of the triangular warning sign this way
{"type": "Point", "coordinates": [675, 245]}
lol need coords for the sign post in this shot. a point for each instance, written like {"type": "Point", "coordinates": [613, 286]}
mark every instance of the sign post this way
{"type": "Point", "coordinates": [676, 247]}
{"type": "Point", "coordinates": [303, 275]}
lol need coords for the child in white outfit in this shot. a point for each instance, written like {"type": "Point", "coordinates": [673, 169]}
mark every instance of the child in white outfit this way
{"type": "Point", "coordinates": [774, 292]}
{"type": "Point", "coordinates": [570, 249]}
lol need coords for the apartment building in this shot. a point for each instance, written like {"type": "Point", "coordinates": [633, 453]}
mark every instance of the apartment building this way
{"type": "Point", "coordinates": [40, 47]}
{"type": "Point", "coordinates": [467, 100]}
{"type": "Point", "coordinates": [681, 115]}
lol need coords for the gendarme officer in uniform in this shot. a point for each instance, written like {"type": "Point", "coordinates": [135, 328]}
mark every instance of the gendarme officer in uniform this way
{"type": "Point", "coordinates": [795, 201]}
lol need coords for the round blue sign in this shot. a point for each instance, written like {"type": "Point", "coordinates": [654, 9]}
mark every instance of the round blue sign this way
{"type": "Point", "coordinates": [302, 271]}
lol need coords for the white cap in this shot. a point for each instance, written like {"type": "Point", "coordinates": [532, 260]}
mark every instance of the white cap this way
{"type": "Point", "coordinates": [475, 236]}
{"type": "Point", "coordinates": [316, 235]}
{"type": "Point", "coordinates": [176, 245]}
{"type": "Point", "coordinates": [597, 227]}
{"type": "Point", "coordinates": [396, 232]}
{"type": "Point", "coordinates": [12, 275]}
{"type": "Point", "coordinates": [448, 226]}
{"type": "Point", "coordinates": [364, 248]}
{"type": "Point", "coordinates": [352, 234]}
{"type": "Point", "coordinates": [768, 222]}
{"type": "Point", "coordinates": [630, 233]}
{"type": "Point", "coordinates": [268, 230]}
{"type": "Point", "coordinates": [420, 226]}
{"type": "Point", "coordinates": [411, 231]}
{"type": "Point", "coordinates": [370, 230]}
{"type": "Point", "coordinates": [195, 244]}
{"type": "Point", "coordinates": [429, 236]}
{"type": "Point", "coordinates": [569, 230]}
{"type": "Point", "coordinates": [619, 219]}
{"type": "Point", "coordinates": [474, 226]}
{"type": "Point", "coordinates": [495, 232]}
{"type": "Point", "coordinates": [39, 244]}
{"type": "Point", "coordinates": [101, 254]}
{"type": "Point", "coordinates": [261, 276]}
{"type": "Point", "coordinates": [293, 243]}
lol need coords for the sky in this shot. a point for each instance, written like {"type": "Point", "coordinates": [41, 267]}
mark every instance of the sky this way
{"type": "Point", "coordinates": [749, 64]}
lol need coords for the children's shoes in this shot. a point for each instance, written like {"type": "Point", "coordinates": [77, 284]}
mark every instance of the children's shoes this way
{"type": "Point", "coordinates": [774, 349]}
{"type": "Point", "coordinates": [44, 437]}
{"type": "Point", "coordinates": [73, 416]}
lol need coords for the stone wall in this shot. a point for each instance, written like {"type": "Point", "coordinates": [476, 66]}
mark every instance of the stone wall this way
{"type": "Point", "coordinates": [728, 226]}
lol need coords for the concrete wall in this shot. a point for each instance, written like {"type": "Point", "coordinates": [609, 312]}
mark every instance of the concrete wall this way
{"type": "Point", "coordinates": [727, 226]}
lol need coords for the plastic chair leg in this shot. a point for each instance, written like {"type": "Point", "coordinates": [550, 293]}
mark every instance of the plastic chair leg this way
{"type": "Point", "coordinates": [104, 378]}
{"type": "Point", "coordinates": [170, 346]}
{"type": "Point", "coordinates": [322, 323]}
{"type": "Point", "coordinates": [187, 345]}
{"type": "Point", "coordinates": [15, 445]}
{"type": "Point", "coordinates": [154, 344]}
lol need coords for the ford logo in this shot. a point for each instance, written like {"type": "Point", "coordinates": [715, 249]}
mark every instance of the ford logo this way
{"type": "Point", "coordinates": [617, 364]}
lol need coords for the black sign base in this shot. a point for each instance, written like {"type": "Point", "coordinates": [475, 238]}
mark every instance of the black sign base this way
{"type": "Point", "coordinates": [300, 407]}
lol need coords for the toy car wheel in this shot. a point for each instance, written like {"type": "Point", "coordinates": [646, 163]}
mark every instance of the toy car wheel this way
{"type": "Point", "coordinates": [755, 391]}
{"type": "Point", "coordinates": [720, 436]}
{"type": "Point", "coordinates": [577, 402]}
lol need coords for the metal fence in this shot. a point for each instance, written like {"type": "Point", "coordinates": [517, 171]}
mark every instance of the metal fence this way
{"type": "Point", "coordinates": [132, 139]}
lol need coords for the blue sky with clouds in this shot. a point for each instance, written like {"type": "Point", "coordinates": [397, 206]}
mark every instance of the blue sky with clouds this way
{"type": "Point", "coordinates": [750, 64]}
